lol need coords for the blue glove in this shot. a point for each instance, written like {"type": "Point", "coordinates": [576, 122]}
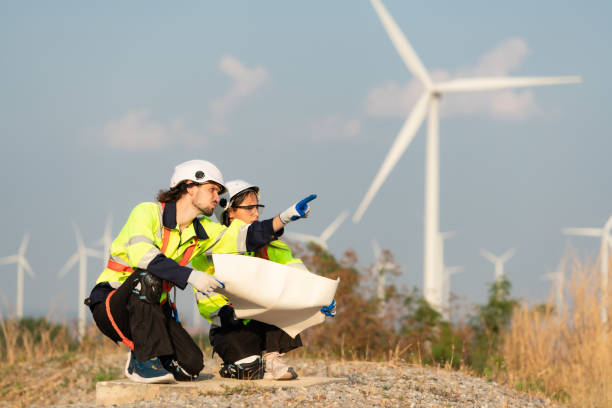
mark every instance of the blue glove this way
{"type": "Point", "coordinates": [301, 209]}
{"type": "Point", "coordinates": [329, 310]}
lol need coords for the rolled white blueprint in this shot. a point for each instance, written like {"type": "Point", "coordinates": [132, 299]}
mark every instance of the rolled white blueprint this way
{"type": "Point", "coordinates": [286, 297]}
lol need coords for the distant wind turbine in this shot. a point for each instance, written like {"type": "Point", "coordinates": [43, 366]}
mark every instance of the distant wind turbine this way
{"type": "Point", "coordinates": [428, 102]}
{"type": "Point", "coordinates": [22, 265]}
{"type": "Point", "coordinates": [446, 289]}
{"type": "Point", "coordinates": [80, 256]}
{"type": "Point", "coordinates": [498, 261]}
{"type": "Point", "coordinates": [322, 239]}
{"type": "Point", "coordinates": [379, 272]}
{"type": "Point", "coordinates": [442, 278]}
{"type": "Point", "coordinates": [107, 238]}
{"type": "Point", "coordinates": [558, 282]}
{"type": "Point", "coordinates": [606, 242]}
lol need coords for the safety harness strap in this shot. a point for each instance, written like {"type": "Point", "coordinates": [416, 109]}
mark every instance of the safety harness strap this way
{"type": "Point", "coordinates": [124, 339]}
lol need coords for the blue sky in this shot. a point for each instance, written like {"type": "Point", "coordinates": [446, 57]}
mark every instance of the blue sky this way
{"type": "Point", "coordinates": [99, 101]}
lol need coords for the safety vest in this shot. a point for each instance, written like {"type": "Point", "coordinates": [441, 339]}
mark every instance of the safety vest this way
{"type": "Point", "coordinates": [144, 236]}
{"type": "Point", "coordinates": [276, 251]}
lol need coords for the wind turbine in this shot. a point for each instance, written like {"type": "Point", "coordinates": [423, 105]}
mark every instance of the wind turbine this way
{"type": "Point", "coordinates": [22, 265]}
{"type": "Point", "coordinates": [448, 272]}
{"type": "Point", "coordinates": [379, 271]}
{"type": "Point", "coordinates": [442, 278]}
{"type": "Point", "coordinates": [498, 261]}
{"type": "Point", "coordinates": [80, 256]}
{"type": "Point", "coordinates": [606, 241]}
{"type": "Point", "coordinates": [558, 282]}
{"type": "Point", "coordinates": [107, 238]}
{"type": "Point", "coordinates": [322, 239]}
{"type": "Point", "coordinates": [428, 102]}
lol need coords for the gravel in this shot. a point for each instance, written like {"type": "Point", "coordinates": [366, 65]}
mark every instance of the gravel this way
{"type": "Point", "coordinates": [369, 384]}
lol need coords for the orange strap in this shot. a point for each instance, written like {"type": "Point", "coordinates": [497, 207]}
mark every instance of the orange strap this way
{"type": "Point", "coordinates": [124, 339]}
{"type": "Point", "coordinates": [116, 266]}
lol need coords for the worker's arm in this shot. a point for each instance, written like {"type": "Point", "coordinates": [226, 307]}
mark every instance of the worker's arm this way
{"type": "Point", "coordinates": [260, 233]}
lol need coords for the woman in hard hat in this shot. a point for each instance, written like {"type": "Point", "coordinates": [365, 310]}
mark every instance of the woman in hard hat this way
{"type": "Point", "coordinates": [240, 343]}
{"type": "Point", "coordinates": [131, 300]}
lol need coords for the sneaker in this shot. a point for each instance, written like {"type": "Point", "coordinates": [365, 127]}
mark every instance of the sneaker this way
{"type": "Point", "coordinates": [276, 368]}
{"type": "Point", "coordinates": [249, 368]}
{"type": "Point", "coordinates": [179, 373]}
{"type": "Point", "coordinates": [150, 372]}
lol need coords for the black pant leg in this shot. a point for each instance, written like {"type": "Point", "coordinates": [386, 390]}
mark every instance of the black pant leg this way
{"type": "Point", "coordinates": [236, 342]}
{"type": "Point", "coordinates": [118, 306]}
{"type": "Point", "coordinates": [187, 352]}
{"type": "Point", "coordinates": [276, 339]}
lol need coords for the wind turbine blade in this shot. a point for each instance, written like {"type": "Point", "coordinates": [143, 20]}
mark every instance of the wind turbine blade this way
{"type": "Point", "coordinates": [446, 235]}
{"type": "Point", "coordinates": [69, 264]}
{"type": "Point", "coordinates": [333, 226]}
{"type": "Point", "coordinates": [587, 232]}
{"type": "Point", "coordinates": [301, 237]}
{"type": "Point", "coordinates": [402, 141]}
{"type": "Point", "coordinates": [488, 255]}
{"type": "Point", "coordinates": [492, 84]}
{"type": "Point", "coordinates": [24, 244]}
{"type": "Point", "coordinates": [28, 268]}
{"type": "Point", "coordinates": [107, 235]}
{"type": "Point", "coordinates": [401, 44]}
{"type": "Point", "coordinates": [452, 270]}
{"type": "Point", "coordinates": [94, 253]}
{"type": "Point", "coordinates": [9, 259]}
{"type": "Point", "coordinates": [507, 255]}
{"type": "Point", "coordinates": [79, 237]}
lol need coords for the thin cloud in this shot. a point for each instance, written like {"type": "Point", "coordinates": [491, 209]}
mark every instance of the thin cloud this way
{"type": "Point", "coordinates": [136, 131]}
{"type": "Point", "coordinates": [245, 81]}
{"type": "Point", "coordinates": [334, 127]}
{"type": "Point", "coordinates": [397, 100]}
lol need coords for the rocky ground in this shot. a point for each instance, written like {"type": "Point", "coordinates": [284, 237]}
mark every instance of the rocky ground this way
{"type": "Point", "coordinates": [70, 381]}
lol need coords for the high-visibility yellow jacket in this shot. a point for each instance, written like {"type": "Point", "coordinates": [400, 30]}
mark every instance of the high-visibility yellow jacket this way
{"type": "Point", "coordinates": [139, 245]}
{"type": "Point", "coordinates": [276, 251]}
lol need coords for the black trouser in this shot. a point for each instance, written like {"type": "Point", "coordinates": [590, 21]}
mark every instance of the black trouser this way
{"type": "Point", "coordinates": [238, 341]}
{"type": "Point", "coordinates": [150, 326]}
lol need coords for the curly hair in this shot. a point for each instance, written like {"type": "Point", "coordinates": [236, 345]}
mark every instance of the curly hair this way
{"type": "Point", "coordinates": [174, 193]}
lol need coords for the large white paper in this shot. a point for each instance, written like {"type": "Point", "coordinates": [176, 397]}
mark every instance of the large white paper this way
{"type": "Point", "coordinates": [283, 296]}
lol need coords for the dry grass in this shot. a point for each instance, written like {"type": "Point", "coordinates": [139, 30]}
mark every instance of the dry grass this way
{"type": "Point", "coordinates": [564, 353]}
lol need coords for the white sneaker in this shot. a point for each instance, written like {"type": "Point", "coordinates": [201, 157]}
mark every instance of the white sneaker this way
{"type": "Point", "coordinates": [276, 368]}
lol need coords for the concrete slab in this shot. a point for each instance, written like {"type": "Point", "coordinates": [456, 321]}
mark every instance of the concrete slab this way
{"type": "Point", "coordinates": [125, 391]}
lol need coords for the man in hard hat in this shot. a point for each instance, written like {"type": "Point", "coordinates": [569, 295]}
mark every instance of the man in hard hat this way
{"type": "Point", "coordinates": [131, 300]}
{"type": "Point", "coordinates": [240, 343]}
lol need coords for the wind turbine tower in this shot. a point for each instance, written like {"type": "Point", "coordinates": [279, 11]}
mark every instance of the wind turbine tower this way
{"type": "Point", "coordinates": [498, 261]}
{"type": "Point", "coordinates": [22, 265]}
{"type": "Point", "coordinates": [604, 234]}
{"type": "Point", "coordinates": [80, 256]}
{"type": "Point", "coordinates": [322, 239]}
{"type": "Point", "coordinates": [428, 104]}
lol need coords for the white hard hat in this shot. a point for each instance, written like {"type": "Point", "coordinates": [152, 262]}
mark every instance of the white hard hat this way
{"type": "Point", "coordinates": [200, 171]}
{"type": "Point", "coordinates": [234, 187]}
